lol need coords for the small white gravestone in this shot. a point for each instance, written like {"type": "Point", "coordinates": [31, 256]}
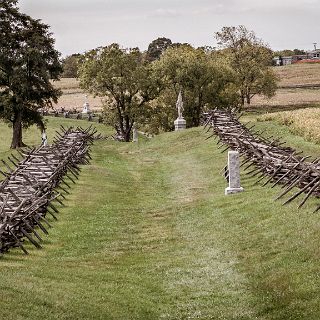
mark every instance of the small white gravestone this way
{"type": "Point", "coordinates": [135, 135]}
{"type": "Point", "coordinates": [234, 173]}
{"type": "Point", "coordinates": [44, 139]}
{"type": "Point", "coordinates": [179, 123]}
{"type": "Point", "coordinates": [86, 107]}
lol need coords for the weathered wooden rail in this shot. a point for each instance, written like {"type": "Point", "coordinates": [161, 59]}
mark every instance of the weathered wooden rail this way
{"type": "Point", "coordinates": [267, 158]}
{"type": "Point", "coordinates": [34, 181]}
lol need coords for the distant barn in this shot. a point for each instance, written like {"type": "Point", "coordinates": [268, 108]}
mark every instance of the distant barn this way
{"type": "Point", "coordinates": [311, 56]}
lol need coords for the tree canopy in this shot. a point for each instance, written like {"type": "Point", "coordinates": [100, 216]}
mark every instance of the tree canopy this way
{"type": "Point", "coordinates": [250, 59]}
{"type": "Point", "coordinates": [70, 65]}
{"type": "Point", "coordinates": [157, 47]}
{"type": "Point", "coordinates": [289, 52]}
{"type": "Point", "coordinates": [28, 61]}
{"type": "Point", "coordinates": [125, 81]}
{"type": "Point", "coordinates": [202, 75]}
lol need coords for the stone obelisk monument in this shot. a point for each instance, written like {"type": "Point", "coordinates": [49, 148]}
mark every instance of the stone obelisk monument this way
{"type": "Point", "coordinates": [179, 123]}
{"type": "Point", "coordinates": [234, 173]}
{"type": "Point", "coordinates": [135, 137]}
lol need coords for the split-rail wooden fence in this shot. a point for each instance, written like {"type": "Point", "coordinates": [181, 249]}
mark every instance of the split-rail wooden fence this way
{"type": "Point", "coordinates": [33, 180]}
{"type": "Point", "coordinates": [266, 158]}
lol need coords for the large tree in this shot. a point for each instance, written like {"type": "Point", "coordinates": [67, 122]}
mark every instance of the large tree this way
{"type": "Point", "coordinates": [201, 74]}
{"type": "Point", "coordinates": [28, 61]}
{"type": "Point", "coordinates": [250, 59]}
{"type": "Point", "coordinates": [124, 80]}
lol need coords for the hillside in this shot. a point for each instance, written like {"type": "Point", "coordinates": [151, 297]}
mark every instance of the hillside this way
{"type": "Point", "coordinates": [147, 233]}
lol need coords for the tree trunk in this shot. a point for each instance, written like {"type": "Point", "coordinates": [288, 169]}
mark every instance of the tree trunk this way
{"type": "Point", "coordinates": [17, 132]}
{"type": "Point", "coordinates": [242, 98]}
{"type": "Point", "coordinates": [129, 126]}
{"type": "Point", "coordinates": [127, 136]}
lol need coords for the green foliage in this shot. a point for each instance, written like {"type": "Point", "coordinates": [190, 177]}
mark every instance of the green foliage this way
{"type": "Point", "coordinates": [203, 76]}
{"type": "Point", "coordinates": [125, 82]}
{"type": "Point", "coordinates": [157, 47]}
{"type": "Point", "coordinates": [161, 113]}
{"type": "Point", "coordinates": [70, 66]}
{"type": "Point", "coordinates": [28, 61]}
{"type": "Point", "coordinates": [250, 60]}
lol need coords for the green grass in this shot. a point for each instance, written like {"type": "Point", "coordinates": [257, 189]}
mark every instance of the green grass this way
{"type": "Point", "coordinates": [147, 233]}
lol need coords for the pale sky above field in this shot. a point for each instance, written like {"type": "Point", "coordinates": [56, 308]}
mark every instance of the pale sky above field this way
{"type": "Point", "coordinates": [80, 25]}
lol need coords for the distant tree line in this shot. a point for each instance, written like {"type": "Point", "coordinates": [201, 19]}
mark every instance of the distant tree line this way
{"type": "Point", "coordinates": [142, 87]}
{"type": "Point", "coordinates": [289, 53]}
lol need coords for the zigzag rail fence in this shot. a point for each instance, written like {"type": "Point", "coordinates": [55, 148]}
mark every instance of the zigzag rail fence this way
{"type": "Point", "coordinates": [266, 158]}
{"type": "Point", "coordinates": [36, 180]}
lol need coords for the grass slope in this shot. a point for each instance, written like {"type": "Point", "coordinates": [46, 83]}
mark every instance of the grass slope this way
{"type": "Point", "coordinates": [147, 233]}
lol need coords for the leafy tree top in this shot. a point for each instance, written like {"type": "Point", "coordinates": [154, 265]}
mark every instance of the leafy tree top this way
{"type": "Point", "coordinates": [157, 47]}
{"type": "Point", "coordinates": [28, 61]}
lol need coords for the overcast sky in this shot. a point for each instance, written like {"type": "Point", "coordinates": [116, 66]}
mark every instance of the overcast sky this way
{"type": "Point", "coordinates": [80, 25]}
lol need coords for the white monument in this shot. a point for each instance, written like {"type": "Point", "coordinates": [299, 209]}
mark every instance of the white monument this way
{"type": "Point", "coordinates": [179, 123]}
{"type": "Point", "coordinates": [135, 137]}
{"type": "Point", "coordinates": [86, 107]}
{"type": "Point", "coordinates": [234, 173]}
{"type": "Point", "coordinates": [44, 138]}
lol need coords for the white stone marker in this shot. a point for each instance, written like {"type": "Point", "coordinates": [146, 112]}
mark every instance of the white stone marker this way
{"type": "Point", "coordinates": [135, 135]}
{"type": "Point", "coordinates": [234, 173]}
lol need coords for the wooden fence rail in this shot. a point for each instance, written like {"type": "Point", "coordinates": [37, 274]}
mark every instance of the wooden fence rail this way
{"type": "Point", "coordinates": [268, 159]}
{"type": "Point", "coordinates": [33, 180]}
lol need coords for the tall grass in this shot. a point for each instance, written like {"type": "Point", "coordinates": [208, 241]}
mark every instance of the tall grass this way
{"type": "Point", "coordinates": [304, 122]}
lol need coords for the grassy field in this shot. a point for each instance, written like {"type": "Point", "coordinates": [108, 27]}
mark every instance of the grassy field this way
{"type": "Point", "coordinates": [298, 97]}
{"type": "Point", "coordinates": [288, 95]}
{"type": "Point", "coordinates": [147, 233]}
{"type": "Point", "coordinates": [298, 74]}
{"type": "Point", "coordinates": [304, 122]}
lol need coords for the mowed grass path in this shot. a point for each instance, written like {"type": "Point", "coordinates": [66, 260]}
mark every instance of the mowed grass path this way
{"type": "Point", "coordinates": [147, 233]}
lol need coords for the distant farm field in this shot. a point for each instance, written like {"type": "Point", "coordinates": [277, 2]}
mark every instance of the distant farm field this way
{"type": "Point", "coordinates": [299, 85]}
{"type": "Point", "coordinates": [298, 74]}
{"type": "Point", "coordinates": [294, 89]}
{"type": "Point", "coordinates": [290, 97]}
{"type": "Point", "coordinates": [73, 96]}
